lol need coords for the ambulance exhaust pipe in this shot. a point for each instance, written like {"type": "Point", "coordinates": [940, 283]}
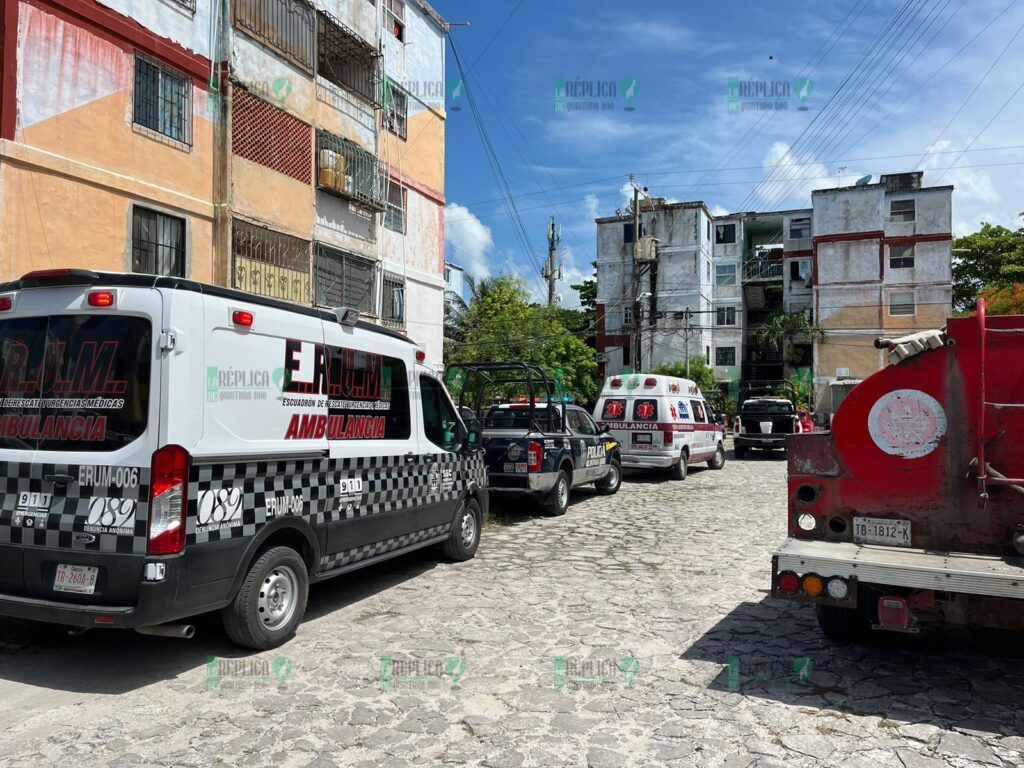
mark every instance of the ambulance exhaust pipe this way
{"type": "Point", "coordinates": [182, 631]}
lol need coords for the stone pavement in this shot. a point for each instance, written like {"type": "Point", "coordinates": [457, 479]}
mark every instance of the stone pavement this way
{"type": "Point", "coordinates": [635, 631]}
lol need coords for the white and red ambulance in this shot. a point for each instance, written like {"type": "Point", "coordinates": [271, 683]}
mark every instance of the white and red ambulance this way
{"type": "Point", "coordinates": [660, 422]}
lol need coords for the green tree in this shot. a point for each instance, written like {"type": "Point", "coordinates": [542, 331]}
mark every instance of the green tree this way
{"type": "Point", "coordinates": [700, 372]}
{"type": "Point", "coordinates": [501, 324]}
{"type": "Point", "coordinates": [783, 327]}
{"type": "Point", "coordinates": [992, 257]}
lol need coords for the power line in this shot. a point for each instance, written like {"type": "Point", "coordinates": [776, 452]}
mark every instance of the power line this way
{"type": "Point", "coordinates": [495, 35]}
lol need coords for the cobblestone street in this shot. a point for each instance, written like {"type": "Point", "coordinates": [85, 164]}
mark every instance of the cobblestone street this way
{"type": "Point", "coordinates": [637, 630]}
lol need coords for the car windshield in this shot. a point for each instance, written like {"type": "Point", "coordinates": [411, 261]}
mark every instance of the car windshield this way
{"type": "Point", "coordinates": [767, 409]}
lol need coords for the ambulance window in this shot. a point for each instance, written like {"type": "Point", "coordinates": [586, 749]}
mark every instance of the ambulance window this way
{"type": "Point", "coordinates": [440, 424]}
{"type": "Point", "coordinates": [368, 397]}
{"type": "Point", "coordinates": [613, 410]}
{"type": "Point", "coordinates": [74, 382]}
{"type": "Point", "coordinates": [699, 415]}
{"type": "Point", "coordinates": [645, 410]}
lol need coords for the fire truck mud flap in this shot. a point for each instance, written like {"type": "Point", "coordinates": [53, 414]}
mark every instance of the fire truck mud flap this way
{"type": "Point", "coordinates": [914, 568]}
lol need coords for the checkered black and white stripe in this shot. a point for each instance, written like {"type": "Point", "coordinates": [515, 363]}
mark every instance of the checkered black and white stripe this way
{"type": "Point", "coordinates": [61, 508]}
{"type": "Point", "coordinates": [339, 559]}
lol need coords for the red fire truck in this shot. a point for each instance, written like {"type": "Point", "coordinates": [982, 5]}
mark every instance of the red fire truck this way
{"type": "Point", "coordinates": [910, 511]}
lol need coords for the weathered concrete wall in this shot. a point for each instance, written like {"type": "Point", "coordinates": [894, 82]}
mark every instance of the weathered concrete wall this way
{"type": "Point", "coordinates": [190, 30]}
{"type": "Point", "coordinates": [344, 225]}
{"type": "Point", "coordinates": [271, 77]}
{"type": "Point", "coordinates": [851, 209]}
{"type": "Point", "coordinates": [421, 247]}
{"type": "Point", "coordinates": [363, 18]}
{"type": "Point", "coordinates": [271, 198]}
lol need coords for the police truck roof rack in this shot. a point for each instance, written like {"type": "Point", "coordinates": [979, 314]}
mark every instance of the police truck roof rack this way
{"type": "Point", "coordinates": [52, 278]}
{"type": "Point", "coordinates": [495, 375]}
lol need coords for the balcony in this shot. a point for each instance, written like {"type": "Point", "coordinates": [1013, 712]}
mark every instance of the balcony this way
{"type": "Point", "coordinates": [763, 265]}
{"type": "Point", "coordinates": [346, 170]}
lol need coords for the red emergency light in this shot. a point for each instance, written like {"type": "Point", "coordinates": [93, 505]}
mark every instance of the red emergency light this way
{"type": "Point", "coordinates": [101, 298]}
{"type": "Point", "coordinates": [242, 318]}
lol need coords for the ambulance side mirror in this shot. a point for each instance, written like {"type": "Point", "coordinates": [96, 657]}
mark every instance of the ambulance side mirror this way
{"type": "Point", "coordinates": [471, 441]}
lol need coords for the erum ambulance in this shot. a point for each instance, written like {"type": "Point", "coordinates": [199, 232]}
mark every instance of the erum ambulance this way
{"type": "Point", "coordinates": [660, 422]}
{"type": "Point", "coordinates": [169, 448]}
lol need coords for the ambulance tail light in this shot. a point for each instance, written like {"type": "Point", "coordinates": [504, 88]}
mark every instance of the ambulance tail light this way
{"type": "Point", "coordinates": [616, 383]}
{"type": "Point", "coordinates": [6, 303]}
{"type": "Point", "coordinates": [669, 437]}
{"type": "Point", "coordinates": [168, 500]}
{"type": "Point", "coordinates": [534, 455]}
{"type": "Point", "coordinates": [648, 383]}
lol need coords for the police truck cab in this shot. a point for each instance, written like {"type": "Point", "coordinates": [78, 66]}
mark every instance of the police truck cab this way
{"type": "Point", "coordinates": [169, 448]}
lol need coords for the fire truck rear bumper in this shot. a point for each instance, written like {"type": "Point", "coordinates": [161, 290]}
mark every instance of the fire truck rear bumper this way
{"type": "Point", "coordinates": [915, 568]}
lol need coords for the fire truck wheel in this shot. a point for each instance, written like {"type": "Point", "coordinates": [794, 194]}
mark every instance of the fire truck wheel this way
{"type": "Point", "coordinates": [678, 471]}
{"type": "Point", "coordinates": [269, 606]}
{"type": "Point", "coordinates": [719, 461]}
{"type": "Point", "coordinates": [611, 482]}
{"type": "Point", "coordinates": [841, 624]}
{"type": "Point", "coordinates": [465, 537]}
{"type": "Point", "coordinates": [558, 502]}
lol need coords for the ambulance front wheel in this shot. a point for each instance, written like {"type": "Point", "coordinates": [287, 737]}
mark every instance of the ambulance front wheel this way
{"type": "Point", "coordinates": [465, 536]}
{"type": "Point", "coordinates": [271, 601]}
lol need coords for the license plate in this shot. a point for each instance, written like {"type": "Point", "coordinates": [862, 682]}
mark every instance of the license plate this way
{"type": "Point", "coordinates": [517, 468]}
{"type": "Point", "coordinates": [80, 579]}
{"type": "Point", "coordinates": [877, 530]}
{"type": "Point", "coordinates": [643, 437]}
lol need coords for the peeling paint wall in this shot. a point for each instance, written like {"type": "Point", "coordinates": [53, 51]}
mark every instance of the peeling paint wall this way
{"type": "Point", "coordinates": [190, 30]}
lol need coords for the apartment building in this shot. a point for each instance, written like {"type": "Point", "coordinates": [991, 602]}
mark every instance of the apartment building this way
{"type": "Point", "coordinates": [864, 261]}
{"type": "Point", "coordinates": [289, 148]}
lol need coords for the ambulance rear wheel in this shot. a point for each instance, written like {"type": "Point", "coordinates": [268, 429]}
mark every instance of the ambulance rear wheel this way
{"type": "Point", "coordinates": [842, 624]}
{"type": "Point", "coordinates": [679, 470]}
{"type": "Point", "coordinates": [271, 601]}
{"type": "Point", "coordinates": [557, 502]}
{"type": "Point", "coordinates": [465, 537]}
{"type": "Point", "coordinates": [719, 459]}
{"type": "Point", "coordinates": [611, 482]}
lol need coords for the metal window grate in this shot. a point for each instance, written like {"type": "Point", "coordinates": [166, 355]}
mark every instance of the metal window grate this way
{"type": "Point", "coordinates": [348, 171]}
{"type": "Point", "coordinates": [347, 60]}
{"type": "Point", "coordinates": [270, 263]}
{"type": "Point", "coordinates": [188, 5]}
{"type": "Point", "coordinates": [287, 26]}
{"type": "Point", "coordinates": [162, 101]}
{"type": "Point", "coordinates": [394, 214]}
{"type": "Point", "coordinates": [395, 109]}
{"type": "Point", "coordinates": [393, 301]}
{"type": "Point", "coordinates": [344, 279]}
{"type": "Point", "coordinates": [158, 243]}
{"type": "Point", "coordinates": [271, 137]}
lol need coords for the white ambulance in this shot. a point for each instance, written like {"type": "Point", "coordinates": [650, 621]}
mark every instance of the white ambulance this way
{"type": "Point", "coordinates": [660, 422]}
{"type": "Point", "coordinates": [169, 448]}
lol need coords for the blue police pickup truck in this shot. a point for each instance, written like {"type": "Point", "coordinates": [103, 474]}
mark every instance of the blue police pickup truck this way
{"type": "Point", "coordinates": [534, 443]}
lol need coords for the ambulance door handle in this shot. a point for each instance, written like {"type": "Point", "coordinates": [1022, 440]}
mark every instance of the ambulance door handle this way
{"type": "Point", "coordinates": [410, 457]}
{"type": "Point", "coordinates": [58, 479]}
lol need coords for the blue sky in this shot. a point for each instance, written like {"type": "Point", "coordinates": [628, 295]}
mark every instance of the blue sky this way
{"type": "Point", "coordinates": [909, 106]}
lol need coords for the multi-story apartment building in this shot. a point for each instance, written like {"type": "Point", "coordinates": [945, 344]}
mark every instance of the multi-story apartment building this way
{"type": "Point", "coordinates": [289, 148]}
{"type": "Point", "coordinates": [864, 261]}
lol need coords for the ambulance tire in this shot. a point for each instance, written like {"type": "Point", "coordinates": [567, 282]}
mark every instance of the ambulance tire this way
{"type": "Point", "coordinates": [842, 624]}
{"type": "Point", "coordinates": [611, 482]}
{"type": "Point", "coordinates": [557, 502]}
{"type": "Point", "coordinates": [719, 460]}
{"type": "Point", "coordinates": [680, 469]}
{"type": "Point", "coordinates": [246, 619]}
{"type": "Point", "coordinates": [465, 536]}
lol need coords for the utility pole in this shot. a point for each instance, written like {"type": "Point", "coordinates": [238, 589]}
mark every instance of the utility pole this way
{"type": "Point", "coordinates": [552, 273]}
{"type": "Point", "coordinates": [686, 338]}
{"type": "Point", "coordinates": [635, 345]}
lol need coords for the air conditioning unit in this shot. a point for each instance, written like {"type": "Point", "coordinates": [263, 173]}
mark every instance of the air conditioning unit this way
{"type": "Point", "coordinates": [602, 357]}
{"type": "Point", "coordinates": [332, 170]}
{"type": "Point", "coordinates": [647, 249]}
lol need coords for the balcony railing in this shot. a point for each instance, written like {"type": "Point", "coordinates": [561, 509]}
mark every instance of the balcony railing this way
{"type": "Point", "coordinates": [762, 269]}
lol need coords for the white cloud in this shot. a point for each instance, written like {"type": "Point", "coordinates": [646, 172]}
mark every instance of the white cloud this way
{"type": "Point", "coordinates": [470, 239]}
{"type": "Point", "coordinates": [717, 210]}
{"type": "Point", "coordinates": [591, 208]}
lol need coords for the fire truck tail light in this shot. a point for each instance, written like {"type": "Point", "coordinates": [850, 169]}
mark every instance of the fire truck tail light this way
{"type": "Point", "coordinates": [101, 298]}
{"type": "Point", "coordinates": [534, 456]}
{"type": "Point", "coordinates": [837, 588]}
{"type": "Point", "coordinates": [893, 612]}
{"type": "Point", "coordinates": [813, 585]}
{"type": "Point", "coordinates": [168, 500]}
{"type": "Point", "coordinates": [789, 583]}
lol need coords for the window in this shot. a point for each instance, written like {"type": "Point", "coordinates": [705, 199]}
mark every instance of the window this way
{"type": "Point", "coordinates": [725, 316]}
{"type": "Point", "coordinates": [345, 59]}
{"type": "Point", "coordinates": [627, 232]}
{"type": "Point", "coordinates": [725, 274]}
{"type": "Point", "coordinates": [158, 243]}
{"type": "Point", "coordinates": [709, 229]}
{"type": "Point", "coordinates": [799, 269]}
{"type": "Point", "coordinates": [645, 410]}
{"type": "Point", "coordinates": [799, 228]}
{"type": "Point", "coordinates": [708, 270]}
{"type": "Point", "coordinates": [725, 234]}
{"type": "Point", "coordinates": [394, 18]}
{"type": "Point", "coordinates": [394, 214]}
{"type": "Point", "coordinates": [270, 263]}
{"type": "Point", "coordinates": [440, 424]}
{"type": "Point", "coordinates": [395, 115]}
{"type": "Point", "coordinates": [188, 5]}
{"type": "Point", "coordinates": [346, 170]}
{"type": "Point", "coordinates": [359, 378]}
{"type": "Point", "coordinates": [627, 317]}
{"type": "Point", "coordinates": [344, 280]}
{"type": "Point", "coordinates": [901, 257]}
{"type": "Point", "coordinates": [287, 26]}
{"type": "Point", "coordinates": [163, 101]}
{"type": "Point", "coordinates": [902, 303]}
{"type": "Point", "coordinates": [725, 356]}
{"type": "Point", "coordinates": [901, 210]}
{"type": "Point", "coordinates": [393, 301]}
{"type": "Point", "coordinates": [699, 414]}
{"type": "Point", "coordinates": [613, 410]}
